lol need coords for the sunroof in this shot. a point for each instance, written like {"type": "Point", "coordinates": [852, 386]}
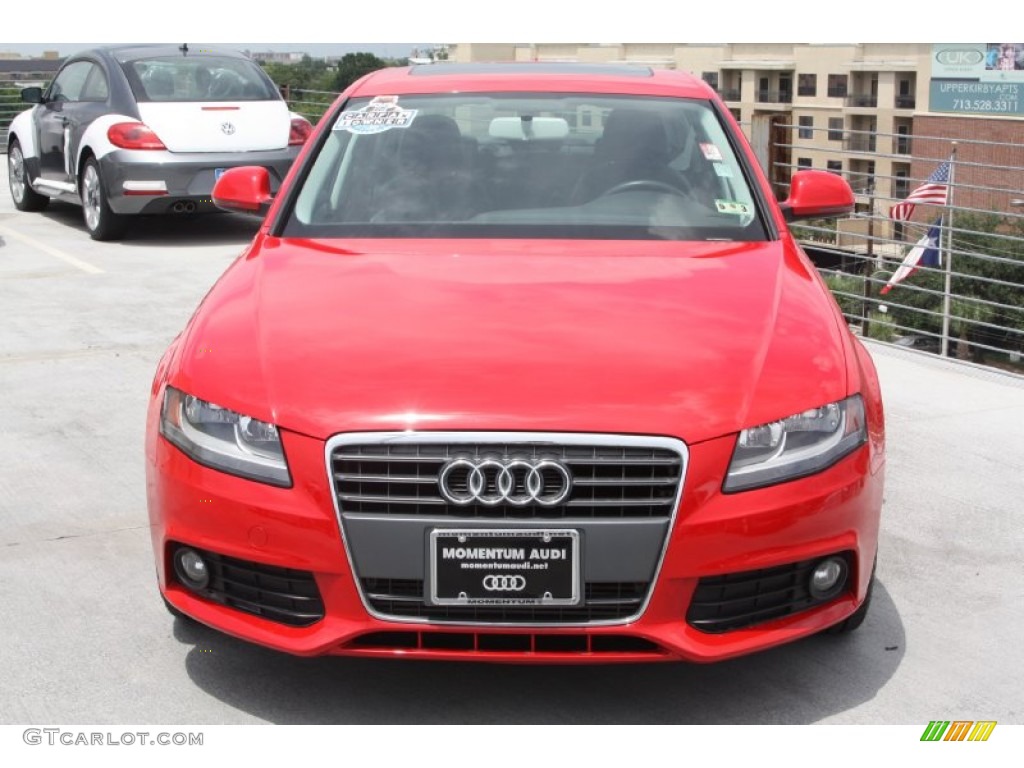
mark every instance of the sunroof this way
{"type": "Point", "coordinates": [531, 68]}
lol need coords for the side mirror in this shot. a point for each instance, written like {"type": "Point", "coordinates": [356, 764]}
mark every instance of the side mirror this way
{"type": "Point", "coordinates": [32, 95]}
{"type": "Point", "coordinates": [817, 195]}
{"type": "Point", "coordinates": [244, 190]}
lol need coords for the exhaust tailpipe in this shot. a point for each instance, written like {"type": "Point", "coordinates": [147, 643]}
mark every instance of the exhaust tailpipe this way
{"type": "Point", "coordinates": [184, 206]}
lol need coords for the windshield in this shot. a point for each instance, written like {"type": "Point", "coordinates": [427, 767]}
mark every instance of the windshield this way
{"type": "Point", "coordinates": [201, 78]}
{"type": "Point", "coordinates": [526, 165]}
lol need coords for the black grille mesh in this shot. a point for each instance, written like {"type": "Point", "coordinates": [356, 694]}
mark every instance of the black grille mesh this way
{"type": "Point", "coordinates": [607, 481]}
{"type": "Point", "coordinates": [736, 600]}
{"type": "Point", "coordinates": [602, 601]}
{"type": "Point", "coordinates": [283, 595]}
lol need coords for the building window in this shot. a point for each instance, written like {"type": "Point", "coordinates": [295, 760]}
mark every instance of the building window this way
{"type": "Point", "coordinates": [901, 185]}
{"type": "Point", "coordinates": [736, 113]}
{"type": "Point", "coordinates": [711, 78]}
{"type": "Point", "coordinates": [803, 162]}
{"type": "Point", "coordinates": [835, 166]}
{"type": "Point", "coordinates": [806, 128]}
{"type": "Point", "coordinates": [837, 86]}
{"type": "Point", "coordinates": [807, 85]}
{"type": "Point", "coordinates": [835, 129]}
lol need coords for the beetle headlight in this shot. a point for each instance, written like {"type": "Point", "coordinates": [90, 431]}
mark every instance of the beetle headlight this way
{"type": "Point", "coordinates": [796, 446]}
{"type": "Point", "coordinates": [223, 439]}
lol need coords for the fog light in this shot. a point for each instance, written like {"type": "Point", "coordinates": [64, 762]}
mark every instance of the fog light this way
{"type": "Point", "coordinates": [191, 569]}
{"type": "Point", "coordinates": [828, 578]}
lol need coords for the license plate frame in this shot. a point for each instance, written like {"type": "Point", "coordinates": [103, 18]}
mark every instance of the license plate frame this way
{"type": "Point", "coordinates": [543, 582]}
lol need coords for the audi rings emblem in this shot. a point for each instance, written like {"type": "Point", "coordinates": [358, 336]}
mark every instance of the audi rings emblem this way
{"type": "Point", "coordinates": [518, 482]}
{"type": "Point", "coordinates": [502, 583]}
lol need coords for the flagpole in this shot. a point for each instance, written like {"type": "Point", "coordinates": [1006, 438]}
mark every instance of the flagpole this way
{"type": "Point", "coordinates": [949, 256]}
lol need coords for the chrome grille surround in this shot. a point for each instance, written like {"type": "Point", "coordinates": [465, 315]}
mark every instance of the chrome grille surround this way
{"type": "Point", "coordinates": [663, 451]}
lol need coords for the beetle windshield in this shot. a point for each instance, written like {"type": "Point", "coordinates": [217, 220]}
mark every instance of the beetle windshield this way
{"type": "Point", "coordinates": [199, 78]}
{"type": "Point", "coordinates": [527, 165]}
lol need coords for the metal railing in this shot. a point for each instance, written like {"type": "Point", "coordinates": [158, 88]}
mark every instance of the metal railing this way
{"type": "Point", "coordinates": [971, 305]}
{"type": "Point", "coordinates": [11, 104]}
{"type": "Point", "coordinates": [308, 103]}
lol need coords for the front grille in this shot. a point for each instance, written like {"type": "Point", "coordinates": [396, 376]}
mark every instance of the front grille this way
{"type": "Point", "coordinates": [608, 481]}
{"type": "Point", "coordinates": [603, 601]}
{"type": "Point", "coordinates": [483, 643]}
{"type": "Point", "coordinates": [283, 595]}
{"type": "Point", "coordinates": [736, 600]}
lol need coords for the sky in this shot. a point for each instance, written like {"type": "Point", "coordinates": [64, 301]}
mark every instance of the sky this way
{"type": "Point", "coordinates": [323, 29]}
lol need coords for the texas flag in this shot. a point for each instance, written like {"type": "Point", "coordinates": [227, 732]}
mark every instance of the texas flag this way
{"type": "Point", "coordinates": [924, 254]}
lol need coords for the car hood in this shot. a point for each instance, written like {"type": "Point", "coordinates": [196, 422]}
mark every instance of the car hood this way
{"type": "Point", "coordinates": [692, 340]}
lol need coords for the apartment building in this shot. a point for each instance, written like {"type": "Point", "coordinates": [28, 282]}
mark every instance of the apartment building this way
{"type": "Point", "coordinates": [853, 109]}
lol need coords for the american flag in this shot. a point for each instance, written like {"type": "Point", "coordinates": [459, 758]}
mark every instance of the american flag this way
{"type": "Point", "coordinates": [934, 191]}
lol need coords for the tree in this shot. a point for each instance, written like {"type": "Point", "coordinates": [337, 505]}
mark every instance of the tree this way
{"type": "Point", "coordinates": [353, 66]}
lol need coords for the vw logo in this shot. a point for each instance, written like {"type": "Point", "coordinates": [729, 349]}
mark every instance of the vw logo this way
{"type": "Point", "coordinates": [499, 583]}
{"type": "Point", "coordinates": [518, 482]}
{"type": "Point", "coordinates": [228, 129]}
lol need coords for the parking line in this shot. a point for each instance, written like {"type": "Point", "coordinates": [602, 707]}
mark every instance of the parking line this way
{"type": "Point", "coordinates": [50, 251]}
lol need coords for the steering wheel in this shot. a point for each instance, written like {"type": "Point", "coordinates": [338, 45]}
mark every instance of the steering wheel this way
{"type": "Point", "coordinates": [651, 184]}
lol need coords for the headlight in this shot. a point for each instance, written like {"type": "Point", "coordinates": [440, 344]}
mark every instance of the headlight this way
{"type": "Point", "coordinates": [223, 439]}
{"type": "Point", "coordinates": [796, 446]}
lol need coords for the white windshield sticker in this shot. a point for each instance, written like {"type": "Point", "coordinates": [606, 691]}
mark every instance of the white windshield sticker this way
{"type": "Point", "coordinates": [381, 114]}
{"type": "Point", "coordinates": [731, 206]}
{"type": "Point", "coordinates": [711, 152]}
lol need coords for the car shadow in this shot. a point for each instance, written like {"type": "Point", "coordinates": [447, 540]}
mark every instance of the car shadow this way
{"type": "Point", "coordinates": [170, 230]}
{"type": "Point", "coordinates": [802, 682]}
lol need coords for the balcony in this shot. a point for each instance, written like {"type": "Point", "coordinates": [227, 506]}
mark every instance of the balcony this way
{"type": "Point", "coordinates": [863, 101]}
{"type": "Point", "coordinates": [905, 102]}
{"type": "Point", "coordinates": [901, 145]}
{"type": "Point", "coordinates": [730, 94]}
{"type": "Point", "coordinates": [775, 97]}
{"type": "Point", "coordinates": [859, 144]}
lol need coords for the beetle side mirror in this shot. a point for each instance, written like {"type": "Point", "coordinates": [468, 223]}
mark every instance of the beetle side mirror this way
{"type": "Point", "coordinates": [244, 190]}
{"type": "Point", "coordinates": [33, 95]}
{"type": "Point", "coordinates": [817, 195]}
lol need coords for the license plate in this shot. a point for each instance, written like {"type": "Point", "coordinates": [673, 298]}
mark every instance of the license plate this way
{"type": "Point", "coordinates": [504, 567]}
{"type": "Point", "coordinates": [218, 172]}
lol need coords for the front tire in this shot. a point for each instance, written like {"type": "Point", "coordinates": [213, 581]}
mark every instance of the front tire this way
{"type": "Point", "coordinates": [100, 220]}
{"type": "Point", "coordinates": [25, 198]}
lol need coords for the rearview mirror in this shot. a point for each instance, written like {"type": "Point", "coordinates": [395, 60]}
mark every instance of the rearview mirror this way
{"type": "Point", "coordinates": [244, 190]}
{"type": "Point", "coordinates": [528, 128]}
{"type": "Point", "coordinates": [817, 195]}
{"type": "Point", "coordinates": [33, 95]}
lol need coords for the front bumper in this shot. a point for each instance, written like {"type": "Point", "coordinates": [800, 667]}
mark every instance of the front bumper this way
{"type": "Point", "coordinates": [713, 534]}
{"type": "Point", "coordinates": [131, 175]}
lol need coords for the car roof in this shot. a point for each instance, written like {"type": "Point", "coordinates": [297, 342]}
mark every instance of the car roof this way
{"type": "Point", "coordinates": [532, 76]}
{"type": "Point", "coordinates": [123, 53]}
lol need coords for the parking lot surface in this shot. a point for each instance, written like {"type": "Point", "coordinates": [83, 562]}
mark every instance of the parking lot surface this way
{"type": "Point", "coordinates": [85, 637]}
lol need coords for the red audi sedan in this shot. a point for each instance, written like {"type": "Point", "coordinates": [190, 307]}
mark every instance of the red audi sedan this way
{"type": "Point", "coordinates": [523, 365]}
